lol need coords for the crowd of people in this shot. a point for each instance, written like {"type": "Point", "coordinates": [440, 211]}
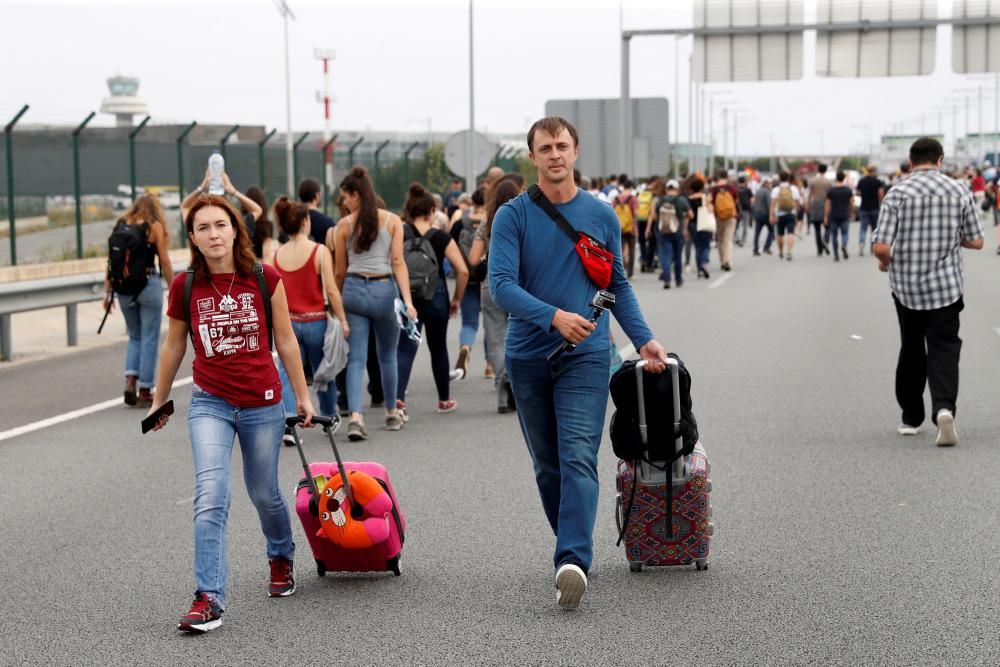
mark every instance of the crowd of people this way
{"type": "Point", "coordinates": [371, 283]}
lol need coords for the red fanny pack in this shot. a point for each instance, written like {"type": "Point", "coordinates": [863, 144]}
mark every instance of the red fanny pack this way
{"type": "Point", "coordinates": [597, 260]}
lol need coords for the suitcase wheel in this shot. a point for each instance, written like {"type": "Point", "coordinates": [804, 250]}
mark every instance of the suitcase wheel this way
{"type": "Point", "coordinates": [635, 567]}
{"type": "Point", "coordinates": [392, 565]}
{"type": "Point", "coordinates": [701, 564]}
{"type": "Point", "coordinates": [320, 568]}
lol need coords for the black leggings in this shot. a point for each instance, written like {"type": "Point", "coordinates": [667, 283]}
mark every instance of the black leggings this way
{"type": "Point", "coordinates": [433, 318]}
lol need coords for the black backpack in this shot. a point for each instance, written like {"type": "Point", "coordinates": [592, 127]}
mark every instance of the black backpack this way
{"type": "Point", "coordinates": [421, 264]}
{"type": "Point", "coordinates": [127, 249]}
{"type": "Point", "coordinates": [657, 390]}
{"type": "Point", "coordinates": [466, 236]}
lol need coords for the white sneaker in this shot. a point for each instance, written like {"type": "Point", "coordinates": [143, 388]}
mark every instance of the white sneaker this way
{"type": "Point", "coordinates": [571, 584]}
{"type": "Point", "coordinates": [906, 429]}
{"type": "Point", "coordinates": [947, 435]}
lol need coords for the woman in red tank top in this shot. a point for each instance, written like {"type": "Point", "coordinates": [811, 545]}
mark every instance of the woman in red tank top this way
{"type": "Point", "coordinates": [306, 267]}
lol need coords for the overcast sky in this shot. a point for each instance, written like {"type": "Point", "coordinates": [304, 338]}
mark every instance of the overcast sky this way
{"type": "Point", "coordinates": [403, 64]}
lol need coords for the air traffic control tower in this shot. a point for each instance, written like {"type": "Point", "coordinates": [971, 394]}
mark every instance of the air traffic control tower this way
{"type": "Point", "coordinates": [124, 102]}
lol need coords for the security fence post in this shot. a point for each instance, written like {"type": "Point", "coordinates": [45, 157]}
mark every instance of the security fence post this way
{"type": "Point", "coordinates": [76, 184]}
{"type": "Point", "coordinates": [131, 153]}
{"type": "Point", "coordinates": [9, 143]}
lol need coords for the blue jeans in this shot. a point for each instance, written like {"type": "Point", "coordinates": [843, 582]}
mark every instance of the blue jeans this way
{"type": "Point", "coordinates": [310, 337]}
{"type": "Point", "coordinates": [868, 219]}
{"type": "Point", "coordinates": [838, 231]}
{"type": "Point", "coordinates": [143, 316]}
{"type": "Point", "coordinates": [212, 425]}
{"type": "Point", "coordinates": [561, 409]}
{"type": "Point", "coordinates": [669, 248]}
{"type": "Point", "coordinates": [761, 222]}
{"type": "Point", "coordinates": [470, 315]}
{"type": "Point", "coordinates": [370, 305]}
{"type": "Point", "coordinates": [433, 314]}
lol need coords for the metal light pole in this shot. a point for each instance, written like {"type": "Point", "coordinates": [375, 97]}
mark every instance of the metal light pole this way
{"type": "Point", "coordinates": [996, 119]}
{"type": "Point", "coordinates": [286, 13]}
{"type": "Point", "coordinates": [131, 152]}
{"type": "Point", "coordinates": [328, 176]}
{"type": "Point", "coordinates": [9, 144]}
{"type": "Point", "coordinates": [625, 134]}
{"type": "Point", "coordinates": [470, 145]}
{"type": "Point", "coordinates": [76, 184]}
{"type": "Point", "coordinates": [979, 108]}
{"type": "Point", "coordinates": [326, 55]}
{"type": "Point", "coordinates": [677, 106]}
{"type": "Point", "coordinates": [690, 169]}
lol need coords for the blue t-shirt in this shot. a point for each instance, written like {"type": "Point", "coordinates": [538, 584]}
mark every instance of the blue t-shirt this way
{"type": "Point", "coordinates": [534, 270]}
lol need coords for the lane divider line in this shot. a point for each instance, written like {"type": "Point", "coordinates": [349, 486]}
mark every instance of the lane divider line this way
{"type": "Point", "coordinates": [721, 281]}
{"type": "Point", "coordinates": [68, 416]}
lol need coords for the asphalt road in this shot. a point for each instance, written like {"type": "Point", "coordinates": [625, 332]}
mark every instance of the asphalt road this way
{"type": "Point", "coordinates": [837, 541]}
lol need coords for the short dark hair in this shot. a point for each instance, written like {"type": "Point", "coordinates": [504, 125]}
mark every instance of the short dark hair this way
{"type": "Point", "coordinates": [577, 177]}
{"type": "Point", "coordinates": [626, 183]}
{"type": "Point", "coordinates": [722, 173]}
{"type": "Point", "coordinates": [308, 190]}
{"type": "Point", "coordinates": [841, 175]}
{"type": "Point", "coordinates": [926, 150]}
{"type": "Point", "coordinates": [552, 125]}
{"type": "Point", "coordinates": [742, 179]}
{"type": "Point", "coordinates": [822, 168]}
{"type": "Point", "coordinates": [783, 177]}
{"type": "Point", "coordinates": [622, 177]}
{"type": "Point", "coordinates": [904, 167]}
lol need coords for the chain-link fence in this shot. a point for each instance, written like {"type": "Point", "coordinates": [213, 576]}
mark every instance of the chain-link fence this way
{"type": "Point", "coordinates": [50, 170]}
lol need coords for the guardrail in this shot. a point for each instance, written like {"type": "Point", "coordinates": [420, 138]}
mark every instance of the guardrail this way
{"type": "Point", "coordinates": [65, 291]}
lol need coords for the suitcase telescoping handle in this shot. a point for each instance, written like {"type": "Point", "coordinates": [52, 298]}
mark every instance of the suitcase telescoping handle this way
{"type": "Point", "coordinates": [327, 424]}
{"type": "Point", "coordinates": [674, 369]}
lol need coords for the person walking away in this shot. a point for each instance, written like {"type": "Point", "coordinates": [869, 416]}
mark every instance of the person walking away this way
{"type": "Point", "coordinates": [433, 313]}
{"type": "Point", "coordinates": [494, 317]}
{"type": "Point", "coordinates": [143, 228]}
{"type": "Point", "coordinates": [463, 231]}
{"type": "Point", "coordinates": [872, 191]}
{"type": "Point", "coordinates": [838, 212]}
{"type": "Point", "coordinates": [815, 197]}
{"type": "Point", "coordinates": [236, 393]}
{"type": "Point", "coordinates": [260, 228]}
{"type": "Point", "coordinates": [627, 208]}
{"type": "Point", "coordinates": [645, 216]}
{"type": "Point", "coordinates": [371, 274]}
{"type": "Point", "coordinates": [745, 201]}
{"type": "Point", "coordinates": [702, 240]}
{"type": "Point", "coordinates": [762, 218]}
{"type": "Point", "coordinates": [670, 226]}
{"type": "Point", "coordinates": [924, 222]}
{"type": "Point", "coordinates": [723, 201]}
{"type": "Point", "coordinates": [450, 202]}
{"type": "Point", "coordinates": [785, 200]}
{"type": "Point", "coordinates": [536, 275]}
{"type": "Point", "coordinates": [306, 270]}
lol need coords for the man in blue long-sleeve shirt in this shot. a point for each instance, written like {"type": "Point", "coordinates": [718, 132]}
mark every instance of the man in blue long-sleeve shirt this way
{"type": "Point", "coordinates": [536, 276]}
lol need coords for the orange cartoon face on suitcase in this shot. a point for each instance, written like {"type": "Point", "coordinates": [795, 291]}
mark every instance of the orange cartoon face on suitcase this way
{"type": "Point", "coordinates": [357, 527]}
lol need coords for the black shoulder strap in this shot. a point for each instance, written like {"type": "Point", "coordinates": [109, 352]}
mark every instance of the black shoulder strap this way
{"type": "Point", "coordinates": [543, 202]}
{"type": "Point", "coordinates": [188, 284]}
{"type": "Point", "coordinates": [258, 272]}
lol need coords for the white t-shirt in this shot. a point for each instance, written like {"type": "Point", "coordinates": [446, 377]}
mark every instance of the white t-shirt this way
{"type": "Point", "coordinates": [796, 195]}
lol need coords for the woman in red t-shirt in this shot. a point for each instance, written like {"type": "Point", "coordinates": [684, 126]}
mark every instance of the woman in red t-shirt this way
{"type": "Point", "coordinates": [236, 393]}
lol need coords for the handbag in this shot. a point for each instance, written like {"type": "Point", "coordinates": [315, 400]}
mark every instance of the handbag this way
{"type": "Point", "coordinates": [597, 260]}
{"type": "Point", "coordinates": [706, 220]}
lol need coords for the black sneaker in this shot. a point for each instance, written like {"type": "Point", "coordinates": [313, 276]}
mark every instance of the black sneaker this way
{"type": "Point", "coordinates": [205, 614]}
{"type": "Point", "coordinates": [288, 438]}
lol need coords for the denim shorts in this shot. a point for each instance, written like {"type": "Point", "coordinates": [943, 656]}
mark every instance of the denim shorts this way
{"type": "Point", "coordinates": [785, 224]}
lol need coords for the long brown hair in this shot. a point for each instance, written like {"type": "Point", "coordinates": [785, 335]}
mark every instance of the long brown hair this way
{"type": "Point", "coordinates": [502, 192]}
{"type": "Point", "coordinates": [146, 208]}
{"type": "Point", "coordinates": [243, 257]}
{"type": "Point", "coordinates": [262, 226]}
{"type": "Point", "coordinates": [366, 220]}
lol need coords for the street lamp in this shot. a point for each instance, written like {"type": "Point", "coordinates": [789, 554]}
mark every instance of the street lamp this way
{"type": "Point", "coordinates": [326, 55]}
{"type": "Point", "coordinates": [286, 13]}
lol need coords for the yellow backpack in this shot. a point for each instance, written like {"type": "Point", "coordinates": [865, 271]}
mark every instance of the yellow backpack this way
{"type": "Point", "coordinates": [623, 209]}
{"type": "Point", "coordinates": [645, 204]}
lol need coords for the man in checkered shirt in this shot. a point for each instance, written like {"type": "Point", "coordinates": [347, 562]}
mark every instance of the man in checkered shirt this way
{"type": "Point", "coordinates": [924, 222]}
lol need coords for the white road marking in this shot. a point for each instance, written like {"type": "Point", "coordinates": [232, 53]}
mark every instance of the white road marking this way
{"type": "Point", "coordinates": [68, 416]}
{"type": "Point", "coordinates": [187, 500]}
{"type": "Point", "coordinates": [857, 337]}
{"type": "Point", "coordinates": [721, 281]}
{"type": "Point", "coordinates": [997, 329]}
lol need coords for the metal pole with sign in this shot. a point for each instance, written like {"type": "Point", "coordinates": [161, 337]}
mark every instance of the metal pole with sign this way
{"type": "Point", "coordinates": [76, 184]}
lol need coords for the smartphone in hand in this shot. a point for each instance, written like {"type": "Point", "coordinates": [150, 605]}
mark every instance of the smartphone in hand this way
{"type": "Point", "coordinates": [149, 422]}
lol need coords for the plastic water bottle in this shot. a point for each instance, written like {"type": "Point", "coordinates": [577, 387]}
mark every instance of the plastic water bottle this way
{"type": "Point", "coordinates": [216, 165]}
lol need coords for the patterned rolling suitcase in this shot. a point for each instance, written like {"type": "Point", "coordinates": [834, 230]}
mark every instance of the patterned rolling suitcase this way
{"type": "Point", "coordinates": [357, 527]}
{"type": "Point", "coordinates": [661, 522]}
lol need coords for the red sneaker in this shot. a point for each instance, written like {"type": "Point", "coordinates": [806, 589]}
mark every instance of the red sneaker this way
{"type": "Point", "coordinates": [205, 614]}
{"type": "Point", "coordinates": [447, 406]}
{"type": "Point", "coordinates": [282, 581]}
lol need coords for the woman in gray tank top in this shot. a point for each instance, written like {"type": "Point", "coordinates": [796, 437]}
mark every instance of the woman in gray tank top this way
{"type": "Point", "coordinates": [371, 274]}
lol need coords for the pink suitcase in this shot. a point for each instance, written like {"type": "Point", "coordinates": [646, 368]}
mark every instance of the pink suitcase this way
{"type": "Point", "coordinates": [652, 534]}
{"type": "Point", "coordinates": [329, 556]}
